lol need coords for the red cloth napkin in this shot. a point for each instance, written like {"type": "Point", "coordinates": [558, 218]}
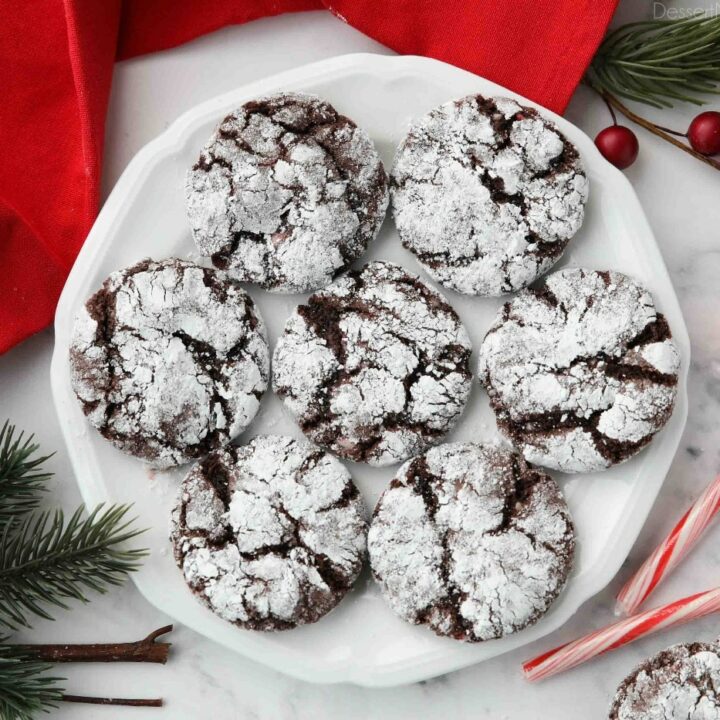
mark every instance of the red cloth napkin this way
{"type": "Point", "coordinates": [57, 56]}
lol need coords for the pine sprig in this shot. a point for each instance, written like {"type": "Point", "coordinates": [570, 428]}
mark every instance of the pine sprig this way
{"type": "Point", "coordinates": [45, 560]}
{"type": "Point", "coordinates": [660, 61]}
{"type": "Point", "coordinates": [21, 478]}
{"type": "Point", "coordinates": [25, 686]}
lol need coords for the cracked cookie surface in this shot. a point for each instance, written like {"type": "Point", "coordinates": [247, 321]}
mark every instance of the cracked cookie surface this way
{"type": "Point", "coordinates": [169, 360]}
{"type": "Point", "coordinates": [375, 367]}
{"type": "Point", "coordinates": [679, 683]}
{"type": "Point", "coordinates": [581, 372]}
{"type": "Point", "coordinates": [269, 535]}
{"type": "Point", "coordinates": [487, 193]}
{"type": "Point", "coordinates": [471, 541]}
{"type": "Point", "coordinates": [287, 193]}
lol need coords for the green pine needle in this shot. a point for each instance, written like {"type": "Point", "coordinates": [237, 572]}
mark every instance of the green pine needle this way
{"type": "Point", "coordinates": [21, 478]}
{"type": "Point", "coordinates": [45, 560]}
{"type": "Point", "coordinates": [660, 61]}
{"type": "Point", "coordinates": [25, 688]}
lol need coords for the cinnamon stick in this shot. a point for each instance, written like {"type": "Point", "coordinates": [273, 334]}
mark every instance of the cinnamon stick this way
{"type": "Point", "coordinates": [145, 650]}
{"type": "Point", "coordinates": [134, 702]}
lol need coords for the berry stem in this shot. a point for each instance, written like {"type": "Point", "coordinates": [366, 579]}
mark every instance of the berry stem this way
{"type": "Point", "coordinates": [668, 130]}
{"type": "Point", "coordinates": [663, 133]}
{"type": "Point", "coordinates": [610, 108]}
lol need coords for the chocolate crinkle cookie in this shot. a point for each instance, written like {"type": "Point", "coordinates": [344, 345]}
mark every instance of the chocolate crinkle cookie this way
{"type": "Point", "coordinates": [169, 360]}
{"type": "Point", "coordinates": [287, 193]}
{"type": "Point", "coordinates": [269, 535]}
{"type": "Point", "coordinates": [680, 683]}
{"type": "Point", "coordinates": [487, 193]}
{"type": "Point", "coordinates": [582, 371]}
{"type": "Point", "coordinates": [471, 541]}
{"type": "Point", "coordinates": [375, 367]}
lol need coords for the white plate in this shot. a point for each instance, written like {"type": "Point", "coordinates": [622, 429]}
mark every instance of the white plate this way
{"type": "Point", "coordinates": [361, 641]}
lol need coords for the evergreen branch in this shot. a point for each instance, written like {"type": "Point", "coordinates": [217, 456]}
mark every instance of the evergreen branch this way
{"type": "Point", "coordinates": [45, 560]}
{"type": "Point", "coordinates": [25, 688]}
{"type": "Point", "coordinates": [21, 477]}
{"type": "Point", "coordinates": [659, 61]}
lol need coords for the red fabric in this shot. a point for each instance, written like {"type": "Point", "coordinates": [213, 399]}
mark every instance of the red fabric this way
{"type": "Point", "coordinates": [143, 19]}
{"type": "Point", "coordinates": [56, 60]}
{"type": "Point", "coordinates": [538, 48]}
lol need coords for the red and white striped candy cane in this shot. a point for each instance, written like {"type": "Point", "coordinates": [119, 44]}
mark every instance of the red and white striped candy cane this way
{"type": "Point", "coordinates": [621, 633]}
{"type": "Point", "coordinates": [671, 550]}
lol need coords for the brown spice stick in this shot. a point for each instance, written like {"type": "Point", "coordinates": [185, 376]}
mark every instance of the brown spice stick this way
{"type": "Point", "coordinates": [134, 702]}
{"type": "Point", "coordinates": [145, 650]}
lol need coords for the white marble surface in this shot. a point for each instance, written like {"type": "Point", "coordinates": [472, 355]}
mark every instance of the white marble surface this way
{"type": "Point", "coordinates": [204, 680]}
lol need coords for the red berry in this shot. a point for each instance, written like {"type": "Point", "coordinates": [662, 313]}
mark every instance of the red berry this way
{"type": "Point", "coordinates": [704, 133]}
{"type": "Point", "coordinates": [618, 145]}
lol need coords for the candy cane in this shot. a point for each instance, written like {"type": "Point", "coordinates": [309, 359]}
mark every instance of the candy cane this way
{"type": "Point", "coordinates": [671, 550]}
{"type": "Point", "coordinates": [621, 633]}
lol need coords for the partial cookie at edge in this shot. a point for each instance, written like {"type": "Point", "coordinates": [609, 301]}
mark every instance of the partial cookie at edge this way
{"type": "Point", "coordinates": [681, 682]}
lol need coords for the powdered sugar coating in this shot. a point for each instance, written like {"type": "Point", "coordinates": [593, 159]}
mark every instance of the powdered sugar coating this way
{"type": "Point", "coordinates": [169, 360]}
{"type": "Point", "coordinates": [471, 541]}
{"type": "Point", "coordinates": [270, 535]}
{"type": "Point", "coordinates": [286, 193]}
{"type": "Point", "coordinates": [375, 367]}
{"type": "Point", "coordinates": [487, 193]}
{"type": "Point", "coordinates": [680, 683]}
{"type": "Point", "coordinates": [582, 371]}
